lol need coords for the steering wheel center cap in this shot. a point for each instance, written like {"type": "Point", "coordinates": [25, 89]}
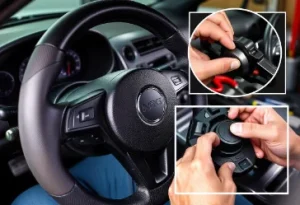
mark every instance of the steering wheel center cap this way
{"type": "Point", "coordinates": [151, 105]}
{"type": "Point", "coordinates": [140, 110]}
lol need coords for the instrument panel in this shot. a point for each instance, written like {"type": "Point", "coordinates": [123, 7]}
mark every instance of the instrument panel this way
{"type": "Point", "coordinates": [7, 84]}
{"type": "Point", "coordinates": [89, 57]}
{"type": "Point", "coordinates": [71, 67]}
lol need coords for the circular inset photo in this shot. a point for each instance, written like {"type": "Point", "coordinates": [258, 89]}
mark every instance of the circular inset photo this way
{"type": "Point", "coordinates": [235, 52]}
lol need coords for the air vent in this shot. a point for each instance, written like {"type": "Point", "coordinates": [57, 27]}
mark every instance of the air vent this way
{"type": "Point", "coordinates": [129, 53]}
{"type": "Point", "coordinates": [147, 45]}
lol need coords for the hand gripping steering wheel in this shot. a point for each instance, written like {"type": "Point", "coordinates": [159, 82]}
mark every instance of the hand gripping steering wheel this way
{"type": "Point", "coordinates": [132, 110]}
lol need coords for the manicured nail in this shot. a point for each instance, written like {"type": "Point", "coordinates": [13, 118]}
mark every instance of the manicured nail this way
{"type": "Point", "coordinates": [236, 128]}
{"type": "Point", "coordinates": [231, 166]}
{"type": "Point", "coordinates": [235, 64]}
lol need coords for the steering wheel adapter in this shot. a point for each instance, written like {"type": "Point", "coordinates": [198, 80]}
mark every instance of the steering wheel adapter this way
{"type": "Point", "coordinates": [246, 52]}
{"type": "Point", "coordinates": [255, 58]}
{"type": "Point", "coordinates": [231, 148]}
{"type": "Point", "coordinates": [131, 111]}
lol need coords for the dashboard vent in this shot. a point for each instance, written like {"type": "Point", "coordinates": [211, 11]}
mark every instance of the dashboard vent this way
{"type": "Point", "coordinates": [147, 45]}
{"type": "Point", "coordinates": [128, 53]}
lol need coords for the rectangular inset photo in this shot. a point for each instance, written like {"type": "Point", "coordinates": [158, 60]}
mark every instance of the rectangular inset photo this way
{"type": "Point", "coordinates": [237, 52]}
{"type": "Point", "coordinates": [233, 150]}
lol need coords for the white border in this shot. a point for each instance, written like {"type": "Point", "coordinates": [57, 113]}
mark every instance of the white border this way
{"type": "Point", "coordinates": [232, 193]}
{"type": "Point", "coordinates": [280, 61]}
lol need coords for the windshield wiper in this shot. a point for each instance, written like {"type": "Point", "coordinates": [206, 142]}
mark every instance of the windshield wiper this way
{"type": "Point", "coordinates": [15, 20]}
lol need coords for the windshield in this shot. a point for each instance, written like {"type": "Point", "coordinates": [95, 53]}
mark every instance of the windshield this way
{"type": "Point", "coordinates": [54, 6]}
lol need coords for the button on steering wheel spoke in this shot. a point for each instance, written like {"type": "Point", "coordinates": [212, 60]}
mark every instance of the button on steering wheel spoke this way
{"type": "Point", "coordinates": [83, 120]}
{"type": "Point", "coordinates": [177, 78]}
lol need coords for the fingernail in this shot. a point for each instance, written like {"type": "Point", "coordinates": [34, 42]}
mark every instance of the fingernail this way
{"type": "Point", "coordinates": [231, 166]}
{"type": "Point", "coordinates": [232, 43]}
{"type": "Point", "coordinates": [236, 128]}
{"type": "Point", "coordinates": [257, 154]}
{"type": "Point", "coordinates": [235, 64]}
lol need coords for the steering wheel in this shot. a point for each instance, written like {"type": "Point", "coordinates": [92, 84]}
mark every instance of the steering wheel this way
{"type": "Point", "coordinates": [132, 110]}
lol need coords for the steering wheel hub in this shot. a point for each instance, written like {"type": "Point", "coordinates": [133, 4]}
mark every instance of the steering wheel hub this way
{"type": "Point", "coordinates": [151, 105]}
{"type": "Point", "coordinates": [141, 110]}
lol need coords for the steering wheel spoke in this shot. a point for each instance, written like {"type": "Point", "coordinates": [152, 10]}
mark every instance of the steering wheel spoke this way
{"type": "Point", "coordinates": [84, 115]}
{"type": "Point", "coordinates": [177, 78]}
{"type": "Point", "coordinates": [84, 121]}
{"type": "Point", "coordinates": [148, 170]}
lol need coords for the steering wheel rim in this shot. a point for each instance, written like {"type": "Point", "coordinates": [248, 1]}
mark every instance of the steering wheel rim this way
{"type": "Point", "coordinates": [40, 136]}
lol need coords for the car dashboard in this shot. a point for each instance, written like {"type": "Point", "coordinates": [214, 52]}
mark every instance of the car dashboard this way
{"type": "Point", "coordinates": [101, 50]}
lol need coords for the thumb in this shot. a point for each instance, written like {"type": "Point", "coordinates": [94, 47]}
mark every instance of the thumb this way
{"type": "Point", "coordinates": [218, 66]}
{"type": "Point", "coordinates": [254, 130]}
{"type": "Point", "coordinates": [225, 172]}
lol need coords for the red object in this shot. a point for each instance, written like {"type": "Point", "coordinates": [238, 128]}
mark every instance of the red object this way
{"type": "Point", "coordinates": [256, 72]}
{"type": "Point", "coordinates": [219, 80]}
{"type": "Point", "coordinates": [295, 29]}
{"type": "Point", "coordinates": [68, 68]}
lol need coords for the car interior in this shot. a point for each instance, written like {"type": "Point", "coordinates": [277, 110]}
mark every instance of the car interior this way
{"type": "Point", "coordinates": [109, 49]}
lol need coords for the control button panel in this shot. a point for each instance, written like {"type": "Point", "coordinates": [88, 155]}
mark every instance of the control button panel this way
{"type": "Point", "coordinates": [83, 115]}
{"type": "Point", "coordinates": [232, 148]}
{"type": "Point", "coordinates": [176, 80]}
{"type": "Point", "coordinates": [245, 164]}
{"type": "Point", "coordinates": [87, 114]}
{"type": "Point", "coordinates": [88, 139]}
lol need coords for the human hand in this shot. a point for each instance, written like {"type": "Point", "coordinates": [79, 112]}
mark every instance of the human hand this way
{"type": "Point", "coordinates": [216, 27]}
{"type": "Point", "coordinates": [268, 134]}
{"type": "Point", "coordinates": [195, 172]}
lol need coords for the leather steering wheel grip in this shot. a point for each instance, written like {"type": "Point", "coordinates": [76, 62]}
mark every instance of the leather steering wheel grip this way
{"type": "Point", "coordinates": [40, 121]}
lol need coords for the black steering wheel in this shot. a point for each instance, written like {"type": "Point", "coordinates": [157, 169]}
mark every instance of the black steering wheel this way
{"type": "Point", "coordinates": [132, 110]}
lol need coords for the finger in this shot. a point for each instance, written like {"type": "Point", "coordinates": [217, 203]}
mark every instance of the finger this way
{"type": "Point", "coordinates": [189, 154]}
{"type": "Point", "coordinates": [211, 30]}
{"type": "Point", "coordinates": [244, 116]}
{"type": "Point", "coordinates": [258, 152]}
{"type": "Point", "coordinates": [221, 20]}
{"type": "Point", "coordinates": [171, 190]}
{"type": "Point", "coordinates": [204, 145]}
{"type": "Point", "coordinates": [226, 17]}
{"type": "Point", "coordinates": [233, 112]}
{"type": "Point", "coordinates": [178, 162]}
{"type": "Point", "coordinates": [256, 143]}
{"type": "Point", "coordinates": [225, 172]}
{"type": "Point", "coordinates": [253, 130]}
{"type": "Point", "coordinates": [211, 68]}
{"type": "Point", "coordinates": [267, 115]}
{"type": "Point", "coordinates": [207, 81]}
{"type": "Point", "coordinates": [196, 53]}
